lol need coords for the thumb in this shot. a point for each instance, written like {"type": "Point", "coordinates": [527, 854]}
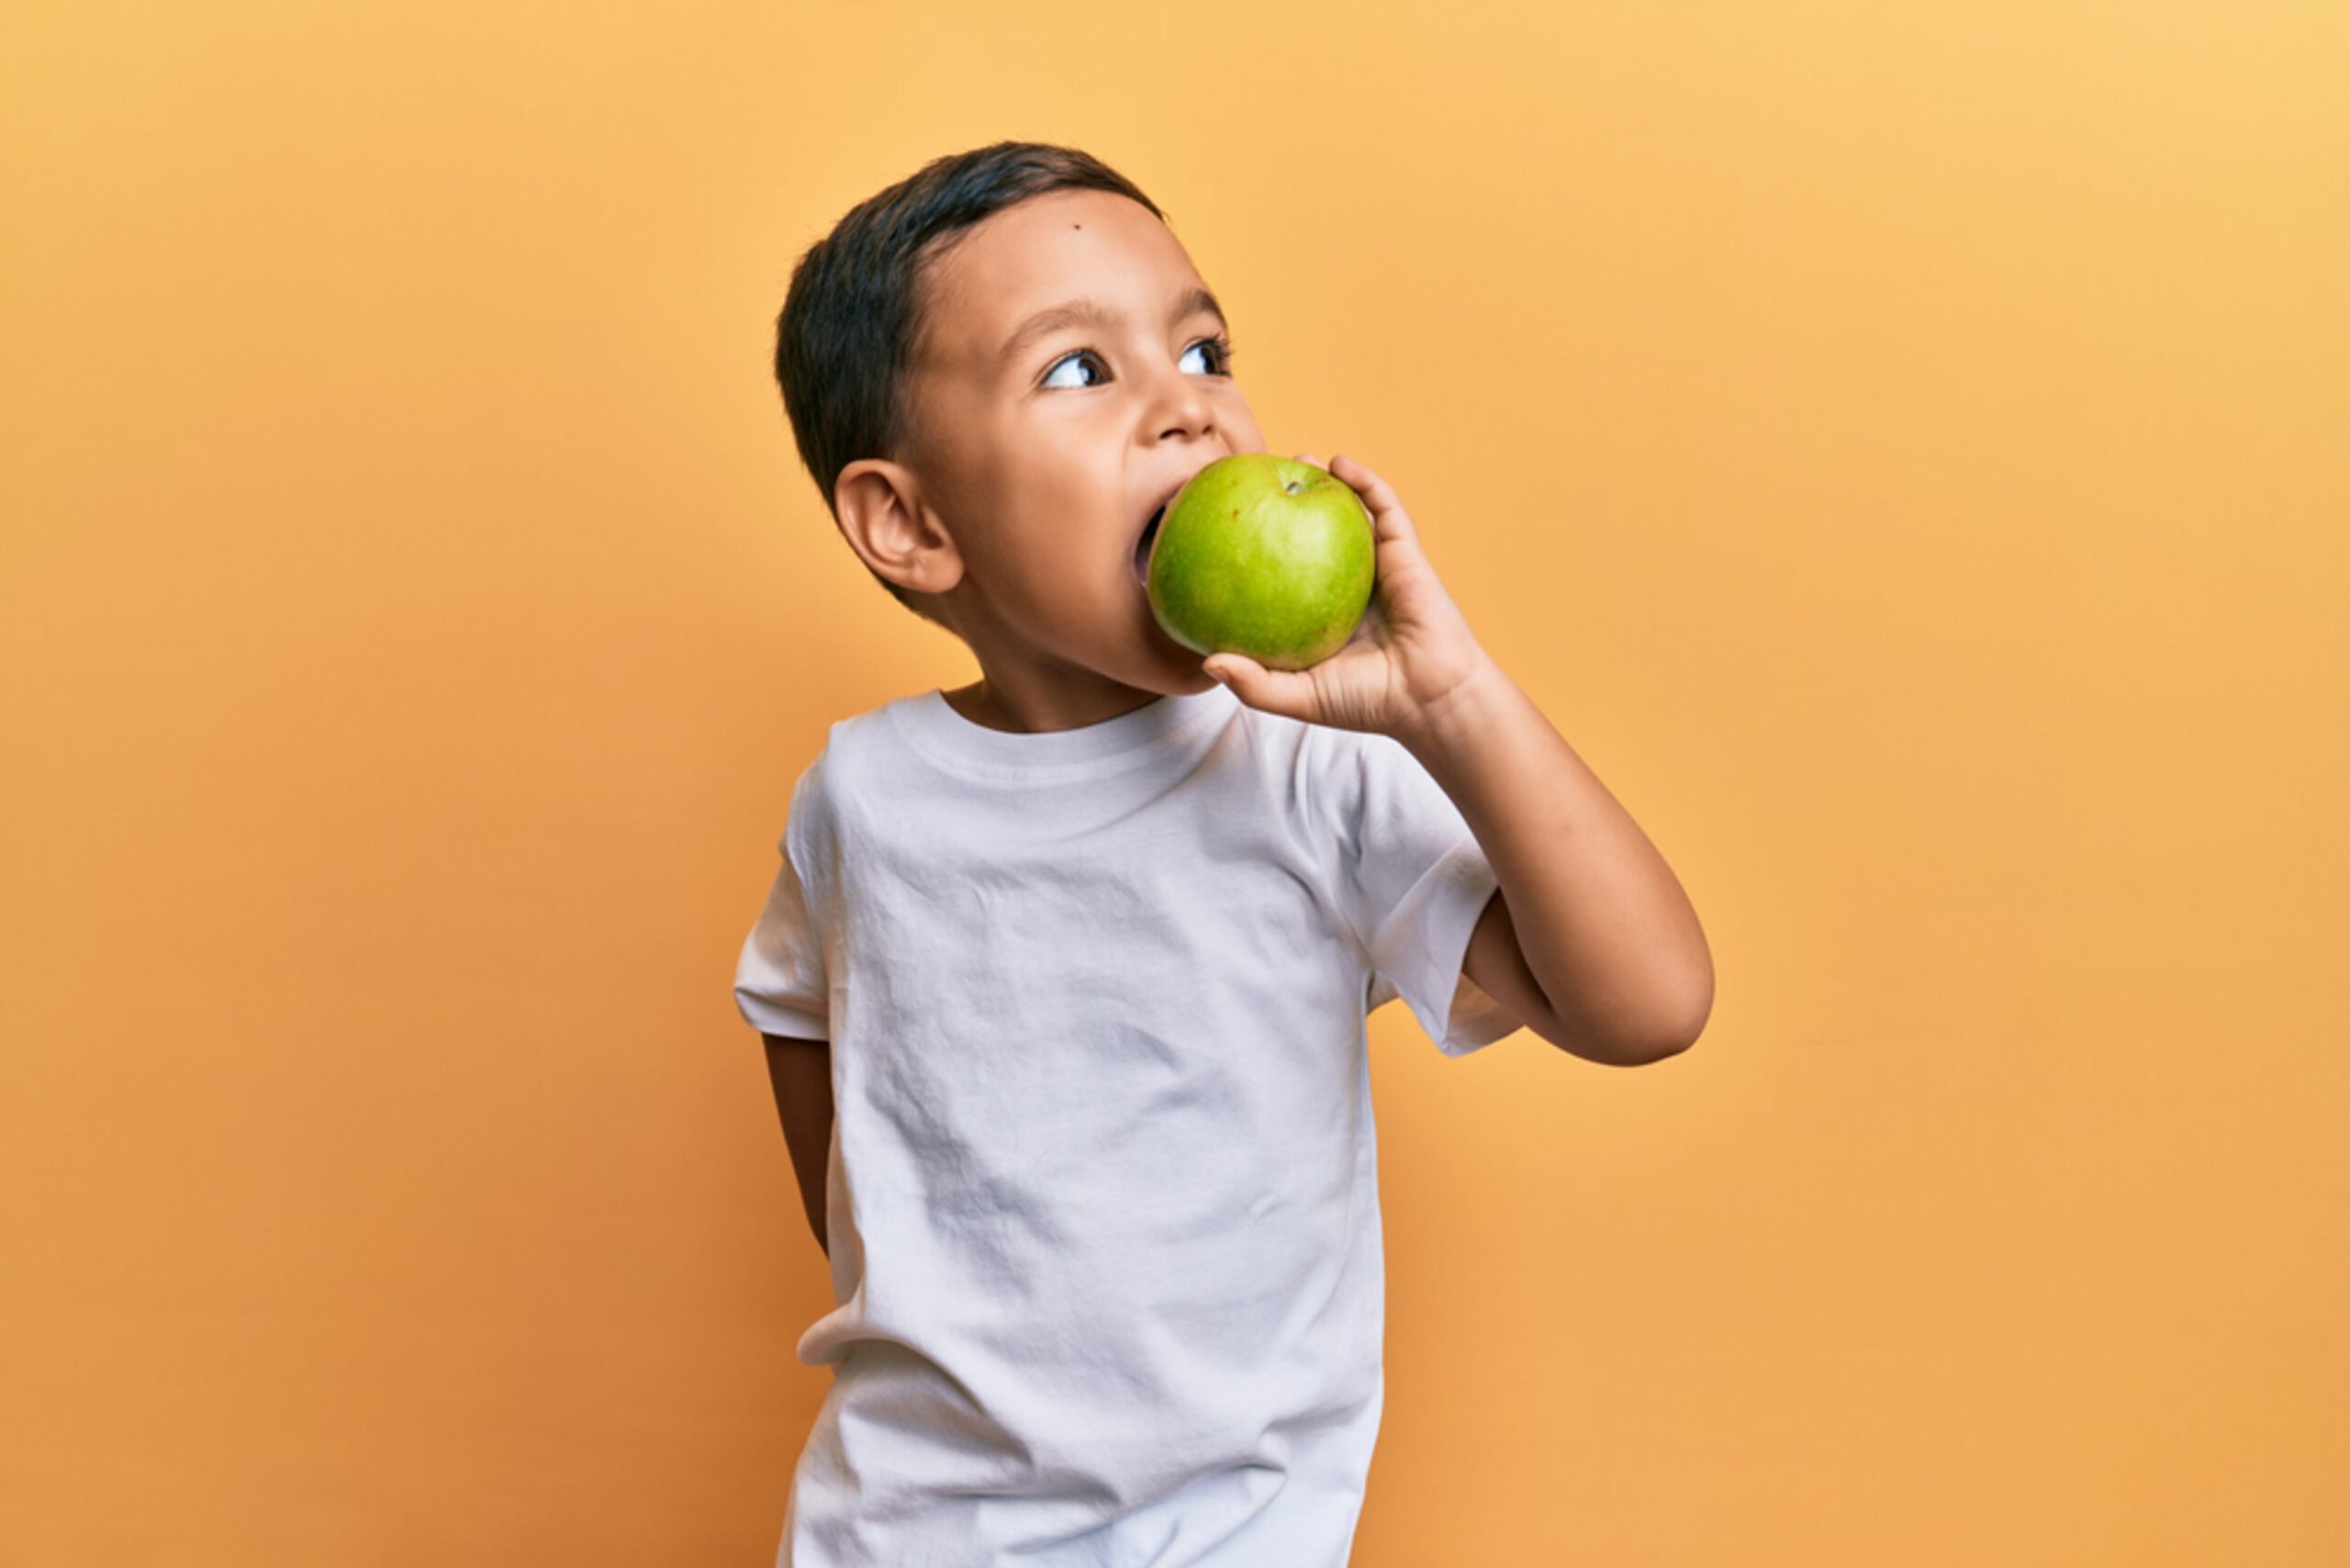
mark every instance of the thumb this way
{"type": "Point", "coordinates": [1284, 691]}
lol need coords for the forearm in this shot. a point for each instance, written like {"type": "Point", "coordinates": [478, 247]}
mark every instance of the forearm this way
{"type": "Point", "coordinates": [801, 1073]}
{"type": "Point", "coordinates": [1603, 922]}
{"type": "Point", "coordinates": [808, 1168]}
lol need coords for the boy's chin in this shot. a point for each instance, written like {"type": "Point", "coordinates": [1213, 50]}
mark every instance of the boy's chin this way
{"type": "Point", "coordinates": [1186, 679]}
{"type": "Point", "coordinates": [1173, 667]}
{"type": "Point", "coordinates": [1165, 667]}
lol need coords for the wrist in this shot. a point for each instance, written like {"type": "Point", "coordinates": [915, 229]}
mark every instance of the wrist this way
{"type": "Point", "coordinates": [1467, 706]}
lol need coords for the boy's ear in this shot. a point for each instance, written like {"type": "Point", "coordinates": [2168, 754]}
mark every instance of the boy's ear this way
{"type": "Point", "coordinates": [882, 518]}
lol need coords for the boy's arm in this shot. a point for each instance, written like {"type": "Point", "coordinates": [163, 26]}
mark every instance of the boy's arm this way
{"type": "Point", "coordinates": [801, 1071]}
{"type": "Point", "coordinates": [1588, 936]}
{"type": "Point", "coordinates": [1596, 947]}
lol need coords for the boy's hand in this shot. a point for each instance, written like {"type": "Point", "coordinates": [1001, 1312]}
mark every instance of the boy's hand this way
{"type": "Point", "coordinates": [1412, 651]}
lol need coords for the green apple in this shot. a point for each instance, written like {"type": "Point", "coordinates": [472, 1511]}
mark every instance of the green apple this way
{"type": "Point", "coordinates": [1268, 556]}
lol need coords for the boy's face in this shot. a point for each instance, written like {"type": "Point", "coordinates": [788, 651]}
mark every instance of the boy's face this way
{"type": "Point", "coordinates": [1045, 450]}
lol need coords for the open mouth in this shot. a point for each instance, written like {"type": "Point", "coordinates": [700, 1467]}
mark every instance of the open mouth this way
{"type": "Point", "coordinates": [1142, 546]}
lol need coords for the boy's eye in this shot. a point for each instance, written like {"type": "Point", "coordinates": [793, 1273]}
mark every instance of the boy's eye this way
{"type": "Point", "coordinates": [1219, 357]}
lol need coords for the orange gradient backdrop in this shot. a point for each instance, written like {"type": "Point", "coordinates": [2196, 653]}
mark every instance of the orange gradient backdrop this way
{"type": "Point", "coordinates": [1903, 451]}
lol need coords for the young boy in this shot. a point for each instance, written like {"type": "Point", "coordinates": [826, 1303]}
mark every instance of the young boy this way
{"type": "Point", "coordinates": [1063, 974]}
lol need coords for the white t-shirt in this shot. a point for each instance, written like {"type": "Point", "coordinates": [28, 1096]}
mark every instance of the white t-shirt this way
{"type": "Point", "coordinates": [1102, 1198]}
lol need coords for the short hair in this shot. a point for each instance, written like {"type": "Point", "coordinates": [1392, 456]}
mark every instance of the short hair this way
{"type": "Point", "coordinates": [853, 319]}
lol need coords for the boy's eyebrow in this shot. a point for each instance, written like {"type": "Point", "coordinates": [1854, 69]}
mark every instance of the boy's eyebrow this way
{"type": "Point", "coordinates": [1073, 312]}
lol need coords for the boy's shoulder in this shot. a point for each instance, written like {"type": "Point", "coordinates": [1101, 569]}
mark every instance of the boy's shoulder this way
{"type": "Point", "coordinates": [857, 760]}
{"type": "Point", "coordinates": [848, 739]}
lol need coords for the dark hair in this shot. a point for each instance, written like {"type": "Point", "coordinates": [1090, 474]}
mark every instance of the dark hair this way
{"type": "Point", "coordinates": [852, 319]}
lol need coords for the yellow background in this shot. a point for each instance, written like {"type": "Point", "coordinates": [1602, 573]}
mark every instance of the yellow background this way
{"type": "Point", "coordinates": [1903, 451]}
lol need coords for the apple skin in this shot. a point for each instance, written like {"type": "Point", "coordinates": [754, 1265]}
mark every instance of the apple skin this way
{"type": "Point", "coordinates": [1274, 557]}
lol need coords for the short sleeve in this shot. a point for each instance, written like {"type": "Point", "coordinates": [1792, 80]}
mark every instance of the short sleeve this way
{"type": "Point", "coordinates": [1412, 881]}
{"type": "Point", "coordinates": [780, 985]}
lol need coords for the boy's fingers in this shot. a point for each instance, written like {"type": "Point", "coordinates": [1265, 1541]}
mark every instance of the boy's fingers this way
{"type": "Point", "coordinates": [1379, 493]}
{"type": "Point", "coordinates": [1370, 481]}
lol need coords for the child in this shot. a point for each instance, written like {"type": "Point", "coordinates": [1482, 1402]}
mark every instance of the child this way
{"type": "Point", "coordinates": [1063, 974]}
